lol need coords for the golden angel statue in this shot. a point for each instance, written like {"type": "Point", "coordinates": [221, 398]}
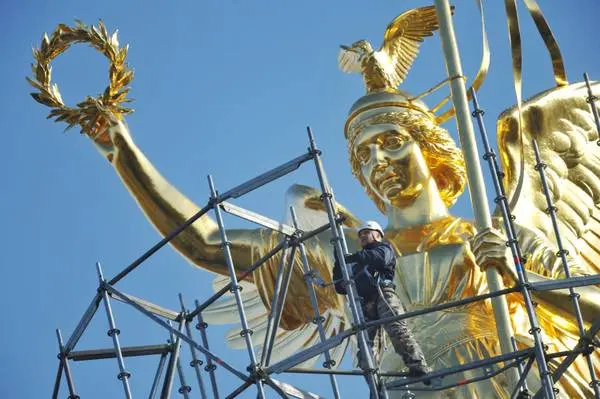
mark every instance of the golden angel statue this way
{"type": "Point", "coordinates": [414, 172]}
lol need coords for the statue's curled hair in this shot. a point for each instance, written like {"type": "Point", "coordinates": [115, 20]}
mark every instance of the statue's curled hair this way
{"type": "Point", "coordinates": [443, 157]}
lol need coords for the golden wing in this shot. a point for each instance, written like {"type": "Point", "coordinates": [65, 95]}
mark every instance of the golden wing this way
{"type": "Point", "coordinates": [561, 122]}
{"type": "Point", "coordinates": [563, 125]}
{"type": "Point", "coordinates": [403, 37]}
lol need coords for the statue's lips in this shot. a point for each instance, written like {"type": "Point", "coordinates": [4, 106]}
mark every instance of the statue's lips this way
{"type": "Point", "coordinates": [389, 181]}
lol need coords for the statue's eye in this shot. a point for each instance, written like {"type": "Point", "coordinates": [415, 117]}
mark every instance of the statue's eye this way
{"type": "Point", "coordinates": [363, 154]}
{"type": "Point", "coordinates": [392, 143]}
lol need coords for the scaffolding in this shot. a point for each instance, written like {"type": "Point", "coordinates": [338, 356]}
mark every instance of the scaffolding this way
{"type": "Point", "coordinates": [260, 370]}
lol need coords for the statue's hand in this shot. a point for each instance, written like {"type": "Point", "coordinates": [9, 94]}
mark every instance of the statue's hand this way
{"type": "Point", "coordinates": [490, 250]}
{"type": "Point", "coordinates": [109, 135]}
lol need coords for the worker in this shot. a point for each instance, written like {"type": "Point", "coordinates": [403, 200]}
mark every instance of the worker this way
{"type": "Point", "coordinates": [373, 272]}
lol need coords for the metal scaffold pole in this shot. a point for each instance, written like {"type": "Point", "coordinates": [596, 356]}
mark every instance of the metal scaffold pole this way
{"type": "Point", "coordinates": [591, 99]}
{"type": "Point", "coordinates": [184, 388]}
{"type": "Point", "coordinates": [195, 363]}
{"type": "Point", "coordinates": [114, 332]}
{"type": "Point", "coordinates": [64, 365]}
{"type": "Point", "coordinates": [521, 387]}
{"type": "Point", "coordinates": [283, 273]}
{"type": "Point", "coordinates": [513, 244]}
{"type": "Point", "coordinates": [155, 381]}
{"type": "Point", "coordinates": [551, 210]}
{"type": "Point", "coordinates": [317, 318]}
{"type": "Point", "coordinates": [210, 367]}
{"type": "Point", "coordinates": [375, 385]}
{"type": "Point", "coordinates": [171, 366]}
{"type": "Point", "coordinates": [235, 288]}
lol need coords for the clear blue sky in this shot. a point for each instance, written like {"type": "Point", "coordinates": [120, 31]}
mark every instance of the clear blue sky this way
{"type": "Point", "coordinates": [221, 87]}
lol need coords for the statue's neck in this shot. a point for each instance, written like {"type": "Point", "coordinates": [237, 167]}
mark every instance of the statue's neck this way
{"type": "Point", "coordinates": [427, 208]}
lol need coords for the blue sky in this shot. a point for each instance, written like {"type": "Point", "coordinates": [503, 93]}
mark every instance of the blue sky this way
{"type": "Point", "coordinates": [225, 88]}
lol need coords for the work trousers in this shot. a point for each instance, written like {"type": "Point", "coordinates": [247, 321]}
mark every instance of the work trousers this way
{"type": "Point", "coordinates": [386, 304]}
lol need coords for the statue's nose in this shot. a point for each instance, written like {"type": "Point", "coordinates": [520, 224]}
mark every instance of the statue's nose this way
{"type": "Point", "coordinates": [379, 155]}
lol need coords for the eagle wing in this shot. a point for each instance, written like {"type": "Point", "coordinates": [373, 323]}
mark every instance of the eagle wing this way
{"type": "Point", "coordinates": [349, 61]}
{"type": "Point", "coordinates": [403, 37]}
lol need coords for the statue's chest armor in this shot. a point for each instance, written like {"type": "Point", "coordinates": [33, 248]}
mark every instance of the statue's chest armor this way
{"type": "Point", "coordinates": [424, 278]}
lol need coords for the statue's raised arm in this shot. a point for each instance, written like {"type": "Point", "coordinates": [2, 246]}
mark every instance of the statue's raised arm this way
{"type": "Point", "coordinates": [167, 208]}
{"type": "Point", "coordinates": [101, 119]}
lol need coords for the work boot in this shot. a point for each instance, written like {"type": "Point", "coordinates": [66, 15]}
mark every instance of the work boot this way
{"type": "Point", "coordinates": [420, 371]}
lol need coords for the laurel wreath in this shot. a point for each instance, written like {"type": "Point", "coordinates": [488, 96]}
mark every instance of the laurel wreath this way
{"type": "Point", "coordinates": [91, 112]}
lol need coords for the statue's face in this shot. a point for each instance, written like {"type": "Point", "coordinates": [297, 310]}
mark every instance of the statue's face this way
{"type": "Point", "coordinates": [391, 163]}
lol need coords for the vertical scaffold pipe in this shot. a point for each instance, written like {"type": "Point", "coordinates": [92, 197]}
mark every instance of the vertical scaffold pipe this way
{"type": "Point", "coordinates": [521, 387]}
{"type": "Point", "coordinates": [551, 210]}
{"type": "Point", "coordinates": [195, 363]}
{"type": "Point", "coordinates": [277, 306]}
{"type": "Point", "coordinates": [171, 367]}
{"type": "Point", "coordinates": [276, 291]}
{"type": "Point", "coordinates": [476, 185]}
{"type": "Point", "coordinates": [591, 99]}
{"type": "Point", "coordinates": [184, 388]}
{"type": "Point", "coordinates": [157, 375]}
{"type": "Point", "coordinates": [114, 332]}
{"type": "Point", "coordinates": [59, 373]}
{"type": "Point", "coordinates": [317, 318]}
{"type": "Point", "coordinates": [353, 301]}
{"type": "Point", "coordinates": [501, 200]}
{"type": "Point", "coordinates": [65, 365]}
{"type": "Point", "coordinates": [210, 366]}
{"type": "Point", "coordinates": [235, 288]}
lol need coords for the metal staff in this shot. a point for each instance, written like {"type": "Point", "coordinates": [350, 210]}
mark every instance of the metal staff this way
{"type": "Point", "coordinates": [476, 185]}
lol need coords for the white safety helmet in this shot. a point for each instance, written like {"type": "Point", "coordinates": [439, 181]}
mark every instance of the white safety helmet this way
{"type": "Point", "coordinates": [371, 225]}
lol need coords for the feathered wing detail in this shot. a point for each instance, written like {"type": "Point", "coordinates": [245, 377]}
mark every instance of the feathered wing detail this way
{"type": "Point", "coordinates": [297, 331]}
{"type": "Point", "coordinates": [563, 125]}
{"type": "Point", "coordinates": [561, 122]}
{"type": "Point", "coordinates": [349, 61]}
{"type": "Point", "coordinates": [403, 37]}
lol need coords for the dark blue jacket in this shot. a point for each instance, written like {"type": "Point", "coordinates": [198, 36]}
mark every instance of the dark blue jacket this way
{"type": "Point", "coordinates": [377, 259]}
